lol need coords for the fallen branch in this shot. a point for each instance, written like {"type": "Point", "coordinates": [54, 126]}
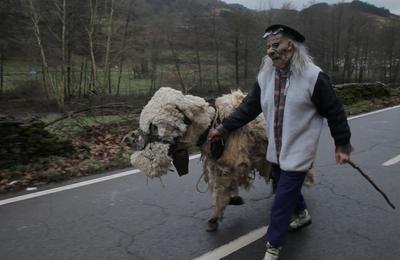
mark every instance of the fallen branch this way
{"type": "Point", "coordinates": [73, 114]}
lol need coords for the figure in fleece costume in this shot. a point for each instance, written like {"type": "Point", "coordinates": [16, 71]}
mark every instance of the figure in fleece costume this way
{"type": "Point", "coordinates": [171, 123]}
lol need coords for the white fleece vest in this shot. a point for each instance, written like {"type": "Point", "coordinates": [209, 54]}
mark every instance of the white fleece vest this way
{"type": "Point", "coordinates": [301, 122]}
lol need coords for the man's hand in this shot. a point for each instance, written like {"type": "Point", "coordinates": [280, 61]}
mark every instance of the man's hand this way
{"type": "Point", "coordinates": [214, 135]}
{"type": "Point", "coordinates": [342, 153]}
{"type": "Point", "coordinates": [342, 158]}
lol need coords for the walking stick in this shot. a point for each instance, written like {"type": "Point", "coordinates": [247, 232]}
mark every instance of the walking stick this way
{"type": "Point", "coordinates": [372, 183]}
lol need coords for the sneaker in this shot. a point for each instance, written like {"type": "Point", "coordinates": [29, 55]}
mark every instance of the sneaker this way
{"type": "Point", "coordinates": [272, 252]}
{"type": "Point", "coordinates": [301, 220]}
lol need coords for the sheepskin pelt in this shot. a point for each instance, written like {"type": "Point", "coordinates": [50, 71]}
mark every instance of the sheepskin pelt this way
{"type": "Point", "coordinates": [245, 148]}
{"type": "Point", "coordinates": [171, 118]}
{"type": "Point", "coordinates": [167, 109]}
{"type": "Point", "coordinates": [153, 161]}
{"type": "Point", "coordinates": [244, 153]}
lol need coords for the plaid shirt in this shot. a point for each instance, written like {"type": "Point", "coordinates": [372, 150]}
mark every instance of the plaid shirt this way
{"type": "Point", "coordinates": [281, 85]}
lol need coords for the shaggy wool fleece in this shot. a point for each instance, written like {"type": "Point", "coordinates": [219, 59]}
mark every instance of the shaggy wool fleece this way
{"type": "Point", "coordinates": [166, 117]}
{"type": "Point", "coordinates": [244, 152]}
{"type": "Point", "coordinates": [167, 109]}
{"type": "Point", "coordinates": [154, 161]}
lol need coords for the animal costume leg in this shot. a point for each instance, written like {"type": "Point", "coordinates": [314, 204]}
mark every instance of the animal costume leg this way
{"type": "Point", "coordinates": [223, 187]}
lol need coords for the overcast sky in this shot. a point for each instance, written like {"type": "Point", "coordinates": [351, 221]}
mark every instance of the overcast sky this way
{"type": "Point", "coordinates": [392, 5]}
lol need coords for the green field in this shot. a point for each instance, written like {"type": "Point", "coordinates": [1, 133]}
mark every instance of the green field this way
{"type": "Point", "coordinates": [25, 78]}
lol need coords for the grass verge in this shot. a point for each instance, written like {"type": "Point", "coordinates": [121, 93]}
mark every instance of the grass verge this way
{"type": "Point", "coordinates": [99, 149]}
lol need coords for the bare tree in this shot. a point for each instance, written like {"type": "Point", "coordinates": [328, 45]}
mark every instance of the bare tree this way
{"type": "Point", "coordinates": [46, 79]}
{"type": "Point", "coordinates": [1, 68]}
{"type": "Point", "coordinates": [364, 57]}
{"type": "Point", "coordinates": [287, 5]}
{"type": "Point", "coordinates": [123, 45]}
{"type": "Point", "coordinates": [215, 32]}
{"type": "Point", "coordinates": [392, 60]}
{"type": "Point", "coordinates": [90, 31]}
{"type": "Point", "coordinates": [199, 42]}
{"type": "Point", "coordinates": [194, 17]}
{"type": "Point", "coordinates": [107, 74]}
{"type": "Point", "coordinates": [347, 59]}
{"type": "Point", "coordinates": [335, 40]}
{"type": "Point", "coordinates": [154, 61]}
{"type": "Point", "coordinates": [61, 14]}
{"type": "Point", "coordinates": [171, 41]}
{"type": "Point", "coordinates": [236, 53]}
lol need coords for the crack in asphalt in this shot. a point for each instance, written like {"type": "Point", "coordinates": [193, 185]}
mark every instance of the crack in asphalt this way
{"type": "Point", "coordinates": [193, 215]}
{"type": "Point", "coordinates": [131, 237]}
{"type": "Point", "coordinates": [331, 187]}
{"type": "Point", "coordinates": [167, 214]}
{"type": "Point", "coordinates": [46, 228]}
{"type": "Point", "coordinates": [391, 145]}
{"type": "Point", "coordinates": [163, 209]}
{"type": "Point", "coordinates": [357, 234]}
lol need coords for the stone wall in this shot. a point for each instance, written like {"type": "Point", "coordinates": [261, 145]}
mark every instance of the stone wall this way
{"type": "Point", "coordinates": [22, 141]}
{"type": "Point", "coordinates": [354, 92]}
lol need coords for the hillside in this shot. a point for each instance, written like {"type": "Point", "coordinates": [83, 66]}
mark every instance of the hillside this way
{"type": "Point", "coordinates": [136, 46]}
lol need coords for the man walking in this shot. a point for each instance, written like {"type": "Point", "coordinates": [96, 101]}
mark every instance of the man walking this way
{"type": "Point", "coordinates": [294, 95]}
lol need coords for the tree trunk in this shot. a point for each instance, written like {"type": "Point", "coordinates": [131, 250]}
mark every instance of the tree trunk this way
{"type": "Point", "coordinates": [119, 78]}
{"type": "Point", "coordinates": [47, 81]}
{"type": "Point", "coordinates": [176, 62]}
{"type": "Point", "coordinates": [81, 74]}
{"type": "Point", "coordinates": [107, 70]}
{"type": "Point", "coordinates": [391, 58]}
{"type": "Point", "coordinates": [197, 51]}
{"type": "Point", "coordinates": [347, 54]}
{"type": "Point", "coordinates": [154, 61]}
{"type": "Point", "coordinates": [69, 70]}
{"type": "Point", "coordinates": [245, 57]}
{"type": "Point", "coordinates": [90, 31]}
{"type": "Point", "coordinates": [153, 76]}
{"type": "Point", "coordinates": [236, 51]}
{"type": "Point", "coordinates": [357, 56]}
{"type": "Point", "coordinates": [61, 13]}
{"type": "Point", "coordinates": [337, 29]}
{"type": "Point", "coordinates": [63, 30]}
{"type": "Point", "coordinates": [121, 59]}
{"type": "Point", "coordinates": [217, 48]}
{"type": "Point", "coordinates": [2, 69]}
{"type": "Point", "coordinates": [198, 60]}
{"type": "Point", "coordinates": [364, 59]}
{"type": "Point", "coordinates": [85, 77]}
{"type": "Point", "coordinates": [396, 71]}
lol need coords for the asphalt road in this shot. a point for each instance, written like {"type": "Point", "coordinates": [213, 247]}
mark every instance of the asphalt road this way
{"type": "Point", "coordinates": [132, 218]}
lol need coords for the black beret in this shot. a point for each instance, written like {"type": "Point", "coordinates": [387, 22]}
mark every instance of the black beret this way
{"type": "Point", "coordinates": [286, 30]}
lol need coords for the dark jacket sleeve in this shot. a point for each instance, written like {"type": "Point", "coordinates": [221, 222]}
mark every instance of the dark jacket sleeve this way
{"type": "Point", "coordinates": [329, 106]}
{"type": "Point", "coordinates": [247, 111]}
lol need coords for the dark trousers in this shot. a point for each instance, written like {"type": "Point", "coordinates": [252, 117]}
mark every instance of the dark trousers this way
{"type": "Point", "coordinates": [288, 200]}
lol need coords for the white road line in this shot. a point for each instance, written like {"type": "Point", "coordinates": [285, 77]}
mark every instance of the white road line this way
{"type": "Point", "coordinates": [234, 245]}
{"type": "Point", "coordinates": [75, 185]}
{"type": "Point", "coordinates": [392, 161]}
{"type": "Point", "coordinates": [122, 174]}
{"type": "Point", "coordinates": [67, 187]}
{"type": "Point", "coordinates": [373, 112]}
